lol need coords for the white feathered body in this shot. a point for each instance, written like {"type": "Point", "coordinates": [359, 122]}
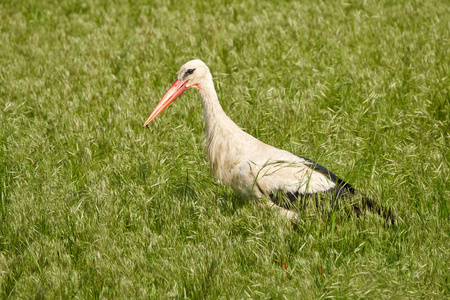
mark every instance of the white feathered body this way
{"type": "Point", "coordinates": [251, 167]}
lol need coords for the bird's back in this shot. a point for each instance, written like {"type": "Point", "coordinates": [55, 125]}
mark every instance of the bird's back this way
{"type": "Point", "coordinates": [254, 168]}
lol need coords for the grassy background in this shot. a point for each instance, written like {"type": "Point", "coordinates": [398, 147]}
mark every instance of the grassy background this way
{"type": "Point", "coordinates": [95, 206]}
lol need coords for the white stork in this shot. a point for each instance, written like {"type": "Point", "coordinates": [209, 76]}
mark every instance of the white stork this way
{"type": "Point", "coordinates": [252, 168]}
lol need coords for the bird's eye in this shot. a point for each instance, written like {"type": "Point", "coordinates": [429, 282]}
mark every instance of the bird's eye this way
{"type": "Point", "coordinates": [189, 72]}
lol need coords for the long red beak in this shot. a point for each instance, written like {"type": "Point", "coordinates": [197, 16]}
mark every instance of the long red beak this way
{"type": "Point", "coordinates": [175, 90]}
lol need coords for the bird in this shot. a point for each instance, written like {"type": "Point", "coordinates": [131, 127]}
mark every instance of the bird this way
{"type": "Point", "coordinates": [256, 170]}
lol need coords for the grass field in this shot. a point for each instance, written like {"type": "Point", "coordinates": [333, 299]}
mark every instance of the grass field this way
{"type": "Point", "coordinates": [93, 205]}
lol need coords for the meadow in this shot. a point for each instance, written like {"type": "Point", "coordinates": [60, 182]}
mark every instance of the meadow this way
{"type": "Point", "coordinates": [93, 205]}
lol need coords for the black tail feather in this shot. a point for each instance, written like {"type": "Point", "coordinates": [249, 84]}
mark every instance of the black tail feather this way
{"type": "Point", "coordinates": [369, 204]}
{"type": "Point", "coordinates": [346, 190]}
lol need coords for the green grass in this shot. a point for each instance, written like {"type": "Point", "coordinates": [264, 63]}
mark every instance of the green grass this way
{"type": "Point", "coordinates": [95, 206]}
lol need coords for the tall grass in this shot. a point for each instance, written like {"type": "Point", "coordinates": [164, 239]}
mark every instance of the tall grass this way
{"type": "Point", "coordinates": [95, 206]}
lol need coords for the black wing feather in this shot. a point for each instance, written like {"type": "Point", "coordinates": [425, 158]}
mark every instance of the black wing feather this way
{"type": "Point", "coordinates": [341, 184]}
{"type": "Point", "coordinates": [342, 189]}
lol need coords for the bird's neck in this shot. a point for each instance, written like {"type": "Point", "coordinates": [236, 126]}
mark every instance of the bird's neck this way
{"type": "Point", "coordinates": [215, 117]}
{"type": "Point", "coordinates": [222, 134]}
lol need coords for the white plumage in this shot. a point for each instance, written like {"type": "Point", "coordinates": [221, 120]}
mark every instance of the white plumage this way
{"type": "Point", "coordinates": [252, 168]}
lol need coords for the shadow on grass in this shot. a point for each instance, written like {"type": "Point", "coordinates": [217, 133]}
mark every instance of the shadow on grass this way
{"type": "Point", "coordinates": [229, 203]}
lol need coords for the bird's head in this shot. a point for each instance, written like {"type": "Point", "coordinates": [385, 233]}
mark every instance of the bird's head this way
{"type": "Point", "coordinates": [194, 74]}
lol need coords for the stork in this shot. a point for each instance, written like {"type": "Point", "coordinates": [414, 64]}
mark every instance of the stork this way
{"type": "Point", "coordinates": [252, 168]}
